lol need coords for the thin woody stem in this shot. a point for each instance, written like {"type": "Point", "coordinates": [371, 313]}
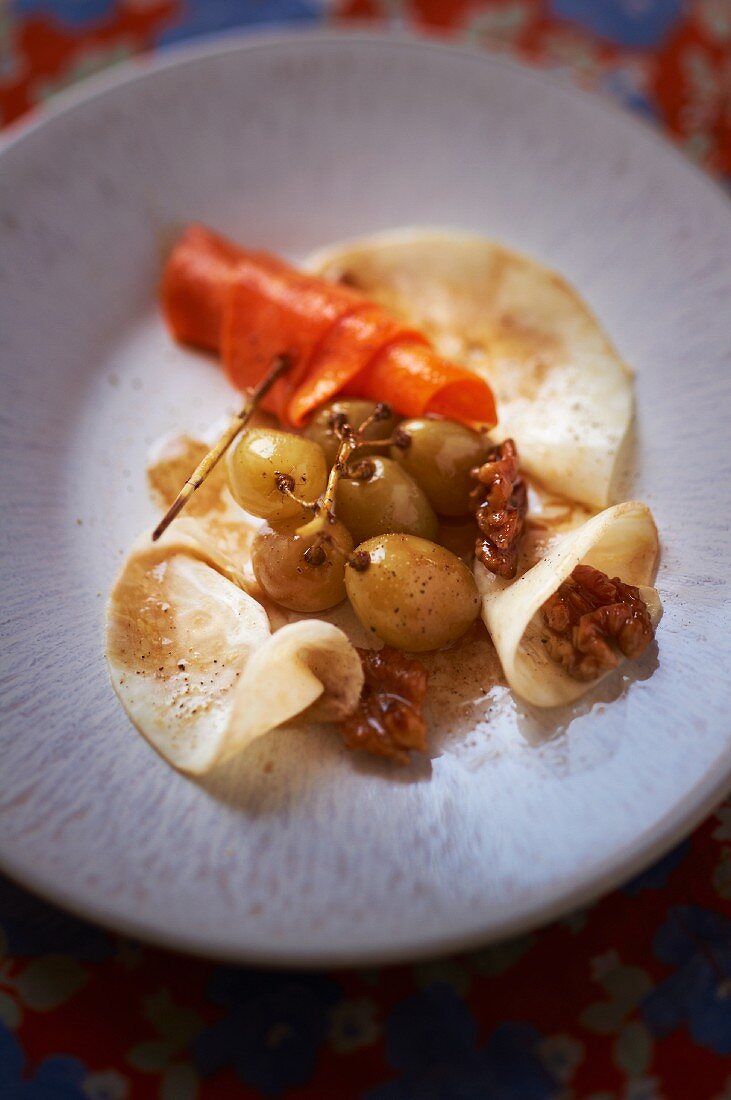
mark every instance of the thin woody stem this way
{"type": "Point", "coordinates": [216, 453]}
{"type": "Point", "coordinates": [326, 503]}
{"type": "Point", "coordinates": [392, 441]}
{"type": "Point", "coordinates": [285, 485]}
{"type": "Point", "coordinates": [382, 411]}
{"type": "Point", "coordinates": [373, 418]}
{"type": "Point", "coordinates": [346, 448]}
{"type": "Point", "coordinates": [350, 441]}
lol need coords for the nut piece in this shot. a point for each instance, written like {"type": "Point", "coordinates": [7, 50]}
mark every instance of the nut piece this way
{"type": "Point", "coordinates": [388, 719]}
{"type": "Point", "coordinates": [500, 500]}
{"type": "Point", "coordinates": [586, 614]}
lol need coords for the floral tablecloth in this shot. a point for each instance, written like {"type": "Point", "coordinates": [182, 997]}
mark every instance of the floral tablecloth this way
{"type": "Point", "coordinates": [628, 1000]}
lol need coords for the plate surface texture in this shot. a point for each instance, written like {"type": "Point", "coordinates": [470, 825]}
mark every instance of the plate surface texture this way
{"type": "Point", "coordinates": [290, 144]}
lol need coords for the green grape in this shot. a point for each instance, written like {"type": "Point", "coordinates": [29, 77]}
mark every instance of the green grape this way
{"type": "Point", "coordinates": [439, 455]}
{"type": "Point", "coordinates": [378, 497]}
{"type": "Point", "coordinates": [302, 572]}
{"type": "Point", "coordinates": [321, 431]}
{"type": "Point", "coordinates": [413, 594]}
{"type": "Point", "coordinates": [254, 463]}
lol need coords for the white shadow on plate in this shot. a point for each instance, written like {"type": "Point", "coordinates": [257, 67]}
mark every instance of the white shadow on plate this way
{"type": "Point", "coordinates": [285, 764]}
{"type": "Point", "coordinates": [539, 725]}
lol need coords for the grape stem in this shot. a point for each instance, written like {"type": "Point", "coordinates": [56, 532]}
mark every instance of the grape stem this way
{"type": "Point", "coordinates": [350, 440]}
{"type": "Point", "coordinates": [285, 485]}
{"type": "Point", "coordinates": [382, 411]}
{"type": "Point", "coordinates": [326, 503]}
{"type": "Point", "coordinates": [400, 438]}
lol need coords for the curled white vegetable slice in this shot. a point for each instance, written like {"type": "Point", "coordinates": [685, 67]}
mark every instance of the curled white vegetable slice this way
{"type": "Point", "coordinates": [621, 541]}
{"type": "Point", "coordinates": [194, 663]}
{"type": "Point", "coordinates": [178, 636]}
{"type": "Point", "coordinates": [222, 541]}
{"type": "Point", "coordinates": [306, 666]}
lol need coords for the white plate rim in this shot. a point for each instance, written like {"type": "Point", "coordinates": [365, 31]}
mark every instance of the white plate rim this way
{"type": "Point", "coordinates": [612, 871]}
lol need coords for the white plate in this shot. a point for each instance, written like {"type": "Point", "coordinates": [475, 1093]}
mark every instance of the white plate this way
{"type": "Point", "coordinates": [290, 144]}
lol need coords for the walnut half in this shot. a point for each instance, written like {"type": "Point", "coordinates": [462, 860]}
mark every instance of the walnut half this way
{"type": "Point", "coordinates": [388, 719]}
{"type": "Point", "coordinates": [587, 614]}
{"type": "Point", "coordinates": [500, 500]}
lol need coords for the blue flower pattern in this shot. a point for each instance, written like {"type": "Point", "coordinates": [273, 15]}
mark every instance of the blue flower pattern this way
{"type": "Point", "coordinates": [639, 24]}
{"type": "Point", "coordinates": [58, 1078]}
{"type": "Point", "coordinates": [432, 1039]}
{"type": "Point", "coordinates": [70, 13]}
{"type": "Point", "coordinates": [273, 1029]}
{"type": "Point", "coordinates": [211, 16]}
{"type": "Point", "coordinates": [697, 942]}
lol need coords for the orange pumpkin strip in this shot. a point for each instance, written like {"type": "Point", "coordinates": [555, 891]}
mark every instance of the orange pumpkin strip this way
{"type": "Point", "coordinates": [415, 381]}
{"type": "Point", "coordinates": [343, 355]}
{"type": "Point", "coordinates": [254, 307]}
{"type": "Point", "coordinates": [194, 286]}
{"type": "Point", "coordinates": [270, 311]}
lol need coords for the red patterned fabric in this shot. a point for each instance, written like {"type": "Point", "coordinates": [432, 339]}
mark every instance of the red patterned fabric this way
{"type": "Point", "coordinates": [628, 1000]}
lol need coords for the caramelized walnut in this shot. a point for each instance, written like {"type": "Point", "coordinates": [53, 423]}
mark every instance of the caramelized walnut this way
{"type": "Point", "coordinates": [388, 719]}
{"type": "Point", "coordinates": [500, 500]}
{"type": "Point", "coordinates": [587, 614]}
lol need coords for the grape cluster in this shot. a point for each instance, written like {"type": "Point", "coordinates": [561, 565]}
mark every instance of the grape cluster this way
{"type": "Point", "coordinates": [351, 509]}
